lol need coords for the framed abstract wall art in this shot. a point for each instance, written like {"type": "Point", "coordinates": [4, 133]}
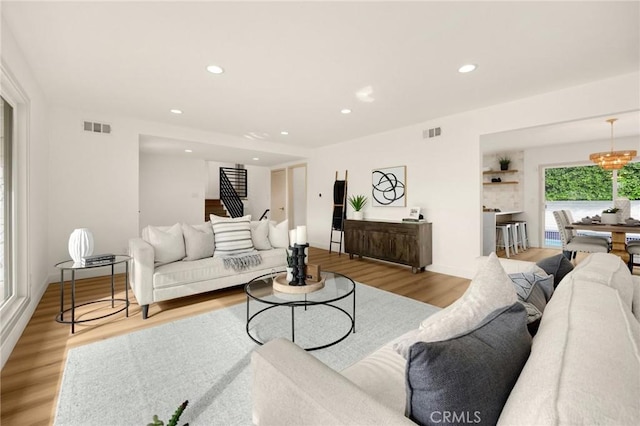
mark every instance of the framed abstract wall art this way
{"type": "Point", "coordinates": [389, 187]}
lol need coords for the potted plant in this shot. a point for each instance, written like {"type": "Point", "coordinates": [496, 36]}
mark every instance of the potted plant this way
{"type": "Point", "coordinates": [504, 162]}
{"type": "Point", "coordinates": [610, 216]}
{"type": "Point", "coordinates": [357, 202]}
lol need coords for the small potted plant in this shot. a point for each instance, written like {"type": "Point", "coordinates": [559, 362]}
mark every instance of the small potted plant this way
{"type": "Point", "coordinates": [504, 162]}
{"type": "Point", "coordinates": [610, 216]}
{"type": "Point", "coordinates": [357, 202]}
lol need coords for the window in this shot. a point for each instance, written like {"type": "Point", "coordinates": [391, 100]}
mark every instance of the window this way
{"type": "Point", "coordinates": [587, 191]}
{"type": "Point", "coordinates": [6, 206]}
{"type": "Point", "coordinates": [15, 288]}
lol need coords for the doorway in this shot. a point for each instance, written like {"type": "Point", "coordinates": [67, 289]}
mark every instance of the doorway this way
{"type": "Point", "coordinates": [278, 195]}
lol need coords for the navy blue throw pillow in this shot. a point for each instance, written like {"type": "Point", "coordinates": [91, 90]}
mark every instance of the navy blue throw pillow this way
{"type": "Point", "coordinates": [468, 378]}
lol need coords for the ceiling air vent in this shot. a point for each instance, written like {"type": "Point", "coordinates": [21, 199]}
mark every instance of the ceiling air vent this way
{"type": "Point", "coordinates": [90, 126]}
{"type": "Point", "coordinates": [431, 133]}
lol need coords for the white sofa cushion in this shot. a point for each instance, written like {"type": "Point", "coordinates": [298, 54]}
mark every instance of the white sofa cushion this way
{"type": "Point", "coordinates": [584, 366]}
{"type": "Point", "coordinates": [382, 375]}
{"type": "Point", "coordinates": [181, 273]}
{"type": "Point", "coordinates": [489, 290]}
{"type": "Point", "coordinates": [167, 243]}
{"type": "Point", "coordinates": [279, 234]}
{"type": "Point", "coordinates": [232, 236]}
{"type": "Point", "coordinates": [198, 241]}
{"type": "Point", "coordinates": [260, 234]}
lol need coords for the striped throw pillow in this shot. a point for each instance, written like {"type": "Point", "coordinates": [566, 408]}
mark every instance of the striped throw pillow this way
{"type": "Point", "coordinates": [232, 236]}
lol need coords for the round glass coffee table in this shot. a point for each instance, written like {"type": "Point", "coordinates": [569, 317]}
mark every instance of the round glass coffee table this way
{"type": "Point", "coordinates": [337, 287]}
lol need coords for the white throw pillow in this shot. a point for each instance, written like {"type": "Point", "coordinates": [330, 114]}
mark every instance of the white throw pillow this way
{"type": "Point", "coordinates": [168, 246]}
{"type": "Point", "coordinates": [232, 236]}
{"type": "Point", "coordinates": [260, 234]}
{"type": "Point", "coordinates": [489, 290]}
{"type": "Point", "coordinates": [279, 234]}
{"type": "Point", "coordinates": [198, 241]}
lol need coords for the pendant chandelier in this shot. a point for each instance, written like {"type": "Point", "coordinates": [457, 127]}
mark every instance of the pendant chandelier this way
{"type": "Point", "coordinates": [612, 160]}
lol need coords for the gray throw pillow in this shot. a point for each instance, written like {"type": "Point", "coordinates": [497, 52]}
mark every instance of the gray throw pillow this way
{"type": "Point", "coordinates": [557, 265]}
{"type": "Point", "coordinates": [534, 291]}
{"type": "Point", "coordinates": [468, 378]}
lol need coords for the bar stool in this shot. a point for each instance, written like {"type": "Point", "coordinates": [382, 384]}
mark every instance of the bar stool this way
{"type": "Point", "coordinates": [522, 237]}
{"type": "Point", "coordinates": [504, 233]}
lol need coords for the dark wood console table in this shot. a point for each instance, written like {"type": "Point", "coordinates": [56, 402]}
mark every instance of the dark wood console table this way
{"type": "Point", "coordinates": [407, 243]}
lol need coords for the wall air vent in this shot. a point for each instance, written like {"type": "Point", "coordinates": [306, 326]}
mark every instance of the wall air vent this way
{"type": "Point", "coordinates": [431, 133]}
{"type": "Point", "coordinates": [90, 126]}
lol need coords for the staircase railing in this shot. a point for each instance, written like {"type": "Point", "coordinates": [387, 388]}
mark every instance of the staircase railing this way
{"type": "Point", "coordinates": [233, 185]}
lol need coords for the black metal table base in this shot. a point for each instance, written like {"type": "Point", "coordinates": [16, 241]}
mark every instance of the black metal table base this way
{"type": "Point", "coordinates": [305, 305]}
{"type": "Point", "coordinates": [60, 316]}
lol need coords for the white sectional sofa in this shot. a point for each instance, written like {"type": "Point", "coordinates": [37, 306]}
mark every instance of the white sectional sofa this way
{"type": "Point", "coordinates": [181, 260]}
{"type": "Point", "coordinates": [583, 366]}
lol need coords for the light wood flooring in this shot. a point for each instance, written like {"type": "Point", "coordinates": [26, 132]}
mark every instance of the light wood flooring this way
{"type": "Point", "coordinates": [30, 379]}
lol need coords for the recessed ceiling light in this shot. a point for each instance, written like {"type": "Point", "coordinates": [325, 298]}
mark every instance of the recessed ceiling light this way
{"type": "Point", "coordinates": [467, 68]}
{"type": "Point", "coordinates": [255, 158]}
{"type": "Point", "coordinates": [345, 111]}
{"type": "Point", "coordinates": [188, 150]}
{"type": "Point", "coordinates": [176, 111]}
{"type": "Point", "coordinates": [215, 69]}
{"type": "Point", "coordinates": [284, 132]}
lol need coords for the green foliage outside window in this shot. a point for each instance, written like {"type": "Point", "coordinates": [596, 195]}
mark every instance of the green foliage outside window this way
{"type": "Point", "coordinates": [591, 183]}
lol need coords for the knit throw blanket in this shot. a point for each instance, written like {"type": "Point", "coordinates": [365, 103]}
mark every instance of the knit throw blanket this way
{"type": "Point", "coordinates": [243, 261]}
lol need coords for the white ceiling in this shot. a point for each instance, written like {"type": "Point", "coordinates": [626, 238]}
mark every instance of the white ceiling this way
{"type": "Point", "coordinates": [293, 65]}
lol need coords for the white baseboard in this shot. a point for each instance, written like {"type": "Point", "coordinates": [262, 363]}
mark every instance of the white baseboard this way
{"type": "Point", "coordinates": [12, 335]}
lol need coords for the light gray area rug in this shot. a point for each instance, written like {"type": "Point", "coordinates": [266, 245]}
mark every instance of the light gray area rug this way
{"type": "Point", "coordinates": [127, 379]}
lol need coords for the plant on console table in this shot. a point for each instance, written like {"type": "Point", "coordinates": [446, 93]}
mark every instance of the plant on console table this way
{"type": "Point", "coordinates": [610, 216]}
{"type": "Point", "coordinates": [357, 202]}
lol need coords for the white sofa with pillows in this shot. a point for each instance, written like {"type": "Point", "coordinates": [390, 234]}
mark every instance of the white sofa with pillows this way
{"type": "Point", "coordinates": [476, 362]}
{"type": "Point", "coordinates": [181, 260]}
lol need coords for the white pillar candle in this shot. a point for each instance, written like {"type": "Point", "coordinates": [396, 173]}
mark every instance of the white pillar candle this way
{"type": "Point", "coordinates": [301, 235]}
{"type": "Point", "coordinates": [292, 237]}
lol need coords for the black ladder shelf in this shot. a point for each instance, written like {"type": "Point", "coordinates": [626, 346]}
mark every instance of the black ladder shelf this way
{"type": "Point", "coordinates": [339, 211]}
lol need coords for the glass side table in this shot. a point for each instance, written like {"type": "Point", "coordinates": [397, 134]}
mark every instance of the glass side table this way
{"type": "Point", "coordinates": [70, 265]}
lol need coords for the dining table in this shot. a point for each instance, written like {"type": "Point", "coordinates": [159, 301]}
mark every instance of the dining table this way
{"type": "Point", "coordinates": [618, 235]}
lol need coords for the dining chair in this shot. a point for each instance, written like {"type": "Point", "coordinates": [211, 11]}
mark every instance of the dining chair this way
{"type": "Point", "coordinates": [633, 248]}
{"type": "Point", "coordinates": [569, 219]}
{"type": "Point", "coordinates": [572, 244]}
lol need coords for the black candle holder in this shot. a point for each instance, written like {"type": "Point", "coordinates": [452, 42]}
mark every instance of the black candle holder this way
{"type": "Point", "coordinates": [299, 267]}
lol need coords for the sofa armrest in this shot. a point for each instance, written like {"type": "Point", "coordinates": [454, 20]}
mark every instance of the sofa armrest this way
{"type": "Point", "coordinates": [141, 270]}
{"type": "Point", "coordinates": [292, 387]}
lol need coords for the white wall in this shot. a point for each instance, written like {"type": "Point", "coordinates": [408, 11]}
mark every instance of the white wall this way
{"type": "Point", "coordinates": [258, 191]}
{"type": "Point", "coordinates": [33, 238]}
{"type": "Point", "coordinates": [171, 190]}
{"type": "Point", "coordinates": [444, 174]}
{"type": "Point", "coordinates": [93, 183]}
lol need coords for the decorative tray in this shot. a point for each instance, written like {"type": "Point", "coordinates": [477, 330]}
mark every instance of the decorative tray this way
{"type": "Point", "coordinates": [281, 284]}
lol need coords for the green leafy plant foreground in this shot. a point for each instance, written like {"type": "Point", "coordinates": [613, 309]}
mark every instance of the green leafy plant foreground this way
{"type": "Point", "coordinates": [173, 421]}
